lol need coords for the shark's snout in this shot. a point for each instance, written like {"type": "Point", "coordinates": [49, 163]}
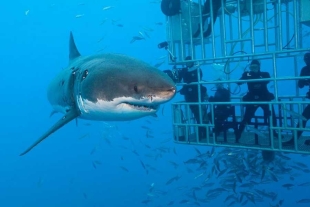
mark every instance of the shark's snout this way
{"type": "Point", "coordinates": [172, 91]}
{"type": "Point", "coordinates": [168, 93]}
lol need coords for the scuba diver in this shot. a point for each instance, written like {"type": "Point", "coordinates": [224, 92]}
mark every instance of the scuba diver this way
{"type": "Point", "coordinates": [173, 7]}
{"type": "Point", "coordinates": [305, 71]}
{"type": "Point", "coordinates": [257, 91]}
{"type": "Point", "coordinates": [221, 112]}
{"type": "Point", "coordinates": [190, 92]}
{"type": "Point", "coordinates": [216, 5]}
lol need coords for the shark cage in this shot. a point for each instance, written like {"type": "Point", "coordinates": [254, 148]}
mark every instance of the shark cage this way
{"type": "Point", "coordinates": [222, 37]}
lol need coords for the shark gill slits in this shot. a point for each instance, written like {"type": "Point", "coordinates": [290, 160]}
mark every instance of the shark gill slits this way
{"type": "Point", "coordinates": [74, 70]}
{"type": "Point", "coordinates": [85, 73]}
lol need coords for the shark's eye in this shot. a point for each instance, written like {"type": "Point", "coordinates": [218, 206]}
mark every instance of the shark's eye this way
{"type": "Point", "coordinates": [136, 89]}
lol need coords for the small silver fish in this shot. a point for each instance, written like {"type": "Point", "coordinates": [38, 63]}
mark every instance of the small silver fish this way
{"type": "Point", "coordinates": [83, 136]}
{"type": "Point", "coordinates": [79, 15]}
{"type": "Point", "coordinates": [103, 21]}
{"type": "Point", "coordinates": [157, 65]}
{"type": "Point", "coordinates": [134, 38]}
{"type": "Point", "coordinates": [141, 34]}
{"type": "Point", "coordinates": [294, 114]}
{"type": "Point", "coordinates": [201, 174]}
{"type": "Point", "coordinates": [107, 7]}
{"type": "Point", "coordinates": [125, 169]}
{"type": "Point", "coordinates": [303, 201]}
{"type": "Point", "coordinates": [256, 131]}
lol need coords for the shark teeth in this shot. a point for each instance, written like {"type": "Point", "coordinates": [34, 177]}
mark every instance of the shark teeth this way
{"type": "Point", "coordinates": [142, 107]}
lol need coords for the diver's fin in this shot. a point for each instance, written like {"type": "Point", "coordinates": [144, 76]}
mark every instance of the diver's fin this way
{"type": "Point", "coordinates": [207, 33]}
{"type": "Point", "coordinates": [206, 13]}
{"type": "Point", "coordinates": [206, 10]}
{"type": "Point", "coordinates": [69, 116]}
{"type": "Point", "coordinates": [73, 51]}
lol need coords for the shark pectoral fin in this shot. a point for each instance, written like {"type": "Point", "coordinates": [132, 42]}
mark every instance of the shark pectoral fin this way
{"type": "Point", "coordinates": [69, 116]}
{"type": "Point", "coordinates": [52, 113]}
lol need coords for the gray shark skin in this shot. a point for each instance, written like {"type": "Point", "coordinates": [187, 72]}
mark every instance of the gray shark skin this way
{"type": "Point", "coordinates": [106, 87]}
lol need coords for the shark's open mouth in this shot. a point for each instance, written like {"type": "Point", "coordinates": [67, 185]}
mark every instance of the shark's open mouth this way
{"type": "Point", "coordinates": [142, 107]}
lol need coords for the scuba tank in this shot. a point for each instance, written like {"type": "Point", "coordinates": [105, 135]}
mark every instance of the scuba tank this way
{"type": "Point", "coordinates": [179, 119]}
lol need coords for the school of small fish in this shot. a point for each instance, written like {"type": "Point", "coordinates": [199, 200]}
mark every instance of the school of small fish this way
{"type": "Point", "coordinates": [238, 176]}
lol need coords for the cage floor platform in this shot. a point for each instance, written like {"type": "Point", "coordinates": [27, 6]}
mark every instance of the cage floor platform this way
{"type": "Point", "coordinates": [249, 141]}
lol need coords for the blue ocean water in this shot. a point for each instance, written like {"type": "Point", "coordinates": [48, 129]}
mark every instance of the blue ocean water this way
{"type": "Point", "coordinates": [108, 164]}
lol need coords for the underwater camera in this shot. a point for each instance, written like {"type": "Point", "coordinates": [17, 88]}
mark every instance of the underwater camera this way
{"type": "Point", "coordinates": [163, 45]}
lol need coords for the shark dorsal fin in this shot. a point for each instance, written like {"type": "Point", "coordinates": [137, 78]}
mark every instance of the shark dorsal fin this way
{"type": "Point", "coordinates": [73, 51]}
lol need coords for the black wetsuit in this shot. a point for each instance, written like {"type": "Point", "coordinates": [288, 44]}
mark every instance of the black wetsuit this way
{"type": "Point", "coordinates": [305, 71]}
{"type": "Point", "coordinates": [257, 91]}
{"type": "Point", "coordinates": [190, 93]}
{"type": "Point", "coordinates": [216, 4]}
{"type": "Point", "coordinates": [221, 112]}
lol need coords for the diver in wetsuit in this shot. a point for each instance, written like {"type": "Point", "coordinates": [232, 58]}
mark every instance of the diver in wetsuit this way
{"type": "Point", "coordinates": [257, 91]}
{"type": "Point", "coordinates": [216, 5]}
{"type": "Point", "coordinates": [221, 112]}
{"type": "Point", "coordinates": [305, 71]}
{"type": "Point", "coordinates": [190, 92]}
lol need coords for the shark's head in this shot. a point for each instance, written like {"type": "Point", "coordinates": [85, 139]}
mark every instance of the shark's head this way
{"type": "Point", "coordinates": [118, 87]}
{"type": "Point", "coordinates": [114, 86]}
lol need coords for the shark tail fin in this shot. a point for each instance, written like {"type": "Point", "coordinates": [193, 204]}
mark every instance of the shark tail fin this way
{"type": "Point", "coordinates": [73, 51]}
{"type": "Point", "coordinates": [72, 114]}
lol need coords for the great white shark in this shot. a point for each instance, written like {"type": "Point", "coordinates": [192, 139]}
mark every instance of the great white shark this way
{"type": "Point", "coordinates": [106, 87]}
